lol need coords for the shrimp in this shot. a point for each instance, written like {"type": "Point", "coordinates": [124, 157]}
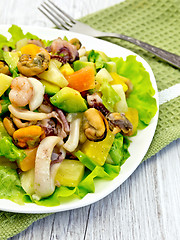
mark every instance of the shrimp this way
{"type": "Point", "coordinates": [21, 91]}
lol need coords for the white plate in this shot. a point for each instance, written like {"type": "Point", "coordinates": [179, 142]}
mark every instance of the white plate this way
{"type": "Point", "coordinates": [138, 147]}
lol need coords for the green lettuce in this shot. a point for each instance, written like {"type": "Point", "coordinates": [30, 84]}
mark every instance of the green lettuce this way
{"type": "Point", "coordinates": [107, 171]}
{"type": "Point", "coordinates": [119, 150]}
{"type": "Point", "coordinates": [61, 194]}
{"type": "Point", "coordinates": [5, 102]}
{"type": "Point", "coordinates": [1, 54]}
{"type": "Point", "coordinates": [10, 187]}
{"type": "Point", "coordinates": [96, 58]}
{"type": "Point", "coordinates": [3, 42]}
{"type": "Point", "coordinates": [141, 97]}
{"type": "Point", "coordinates": [16, 35]}
{"type": "Point", "coordinates": [7, 148]}
{"type": "Point", "coordinates": [88, 162]}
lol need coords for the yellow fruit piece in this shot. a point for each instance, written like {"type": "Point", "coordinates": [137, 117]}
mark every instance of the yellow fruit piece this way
{"type": "Point", "coordinates": [29, 161]}
{"type": "Point", "coordinates": [132, 116]}
{"type": "Point", "coordinates": [5, 82]}
{"type": "Point", "coordinates": [98, 151]}
{"type": "Point", "coordinates": [70, 173]}
{"type": "Point", "coordinates": [66, 69]}
{"type": "Point", "coordinates": [53, 75]}
{"type": "Point", "coordinates": [117, 79]}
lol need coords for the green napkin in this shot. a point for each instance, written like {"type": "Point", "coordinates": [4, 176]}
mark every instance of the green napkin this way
{"type": "Point", "coordinates": [155, 22]}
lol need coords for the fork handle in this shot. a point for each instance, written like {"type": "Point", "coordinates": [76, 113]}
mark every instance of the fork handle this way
{"type": "Point", "coordinates": [163, 54]}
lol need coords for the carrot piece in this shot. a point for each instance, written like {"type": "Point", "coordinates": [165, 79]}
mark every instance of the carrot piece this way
{"type": "Point", "coordinates": [82, 79]}
{"type": "Point", "coordinates": [29, 161]}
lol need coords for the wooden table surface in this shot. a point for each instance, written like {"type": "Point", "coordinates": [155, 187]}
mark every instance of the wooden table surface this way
{"type": "Point", "coordinates": [145, 206]}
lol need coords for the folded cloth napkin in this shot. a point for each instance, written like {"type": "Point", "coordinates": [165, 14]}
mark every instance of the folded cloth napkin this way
{"type": "Point", "coordinates": [155, 22]}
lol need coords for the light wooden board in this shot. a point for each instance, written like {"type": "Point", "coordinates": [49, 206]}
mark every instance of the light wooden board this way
{"type": "Point", "coordinates": [146, 206]}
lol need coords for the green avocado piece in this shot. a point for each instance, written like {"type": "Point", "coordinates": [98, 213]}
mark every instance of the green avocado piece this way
{"type": "Point", "coordinates": [11, 58]}
{"type": "Point", "coordinates": [77, 65]}
{"type": "Point", "coordinates": [50, 88]}
{"type": "Point", "coordinates": [69, 100]}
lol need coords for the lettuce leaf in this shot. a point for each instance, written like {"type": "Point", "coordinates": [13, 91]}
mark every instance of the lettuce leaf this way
{"type": "Point", "coordinates": [1, 54]}
{"type": "Point", "coordinates": [60, 195]}
{"type": "Point", "coordinates": [5, 102]}
{"type": "Point", "coordinates": [16, 35]}
{"type": "Point", "coordinates": [119, 150]}
{"type": "Point", "coordinates": [87, 185]}
{"type": "Point", "coordinates": [10, 187]}
{"type": "Point", "coordinates": [107, 171]}
{"type": "Point", "coordinates": [96, 58]}
{"type": "Point", "coordinates": [141, 97]}
{"type": "Point", "coordinates": [3, 42]}
{"type": "Point", "coordinates": [88, 162]}
{"type": "Point", "coordinates": [7, 148]}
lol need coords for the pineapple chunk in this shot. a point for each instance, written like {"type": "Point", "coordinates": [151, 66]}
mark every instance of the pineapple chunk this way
{"type": "Point", "coordinates": [70, 173]}
{"type": "Point", "coordinates": [98, 151]}
{"type": "Point", "coordinates": [5, 82]}
{"type": "Point", "coordinates": [53, 75]}
{"type": "Point", "coordinates": [66, 69]}
{"type": "Point", "coordinates": [103, 75]}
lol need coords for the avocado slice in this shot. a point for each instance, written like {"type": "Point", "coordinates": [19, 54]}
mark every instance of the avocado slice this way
{"type": "Point", "coordinates": [77, 65]}
{"type": "Point", "coordinates": [69, 100]}
{"type": "Point", "coordinates": [50, 88]}
{"type": "Point", "coordinates": [12, 58]}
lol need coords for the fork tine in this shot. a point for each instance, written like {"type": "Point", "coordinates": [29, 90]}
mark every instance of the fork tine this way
{"type": "Point", "coordinates": [62, 25]}
{"type": "Point", "coordinates": [65, 14]}
{"type": "Point", "coordinates": [58, 14]}
{"type": "Point", "coordinates": [51, 19]}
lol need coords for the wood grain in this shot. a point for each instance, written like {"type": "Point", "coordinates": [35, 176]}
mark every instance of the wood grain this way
{"type": "Point", "coordinates": [145, 206]}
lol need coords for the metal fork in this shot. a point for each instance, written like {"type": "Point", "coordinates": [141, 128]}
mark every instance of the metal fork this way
{"type": "Point", "coordinates": [65, 22]}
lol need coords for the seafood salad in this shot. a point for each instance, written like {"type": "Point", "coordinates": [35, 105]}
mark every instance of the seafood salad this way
{"type": "Point", "coordinates": [67, 115]}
